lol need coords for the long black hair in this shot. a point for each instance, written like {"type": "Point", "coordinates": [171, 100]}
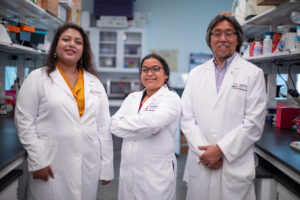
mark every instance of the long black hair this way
{"type": "Point", "coordinates": [86, 61]}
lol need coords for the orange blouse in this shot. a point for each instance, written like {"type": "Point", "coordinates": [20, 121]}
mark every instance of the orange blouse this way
{"type": "Point", "coordinates": [78, 91]}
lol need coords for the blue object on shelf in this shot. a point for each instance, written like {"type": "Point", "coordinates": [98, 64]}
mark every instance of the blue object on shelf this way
{"type": "Point", "coordinates": [40, 32]}
{"type": "Point", "coordinates": [25, 36]}
{"type": "Point", "coordinates": [12, 36]}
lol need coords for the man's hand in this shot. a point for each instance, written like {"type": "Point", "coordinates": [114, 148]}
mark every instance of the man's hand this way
{"type": "Point", "coordinates": [211, 155]}
{"type": "Point", "coordinates": [43, 173]}
{"type": "Point", "coordinates": [218, 165]}
{"type": "Point", "coordinates": [104, 182]}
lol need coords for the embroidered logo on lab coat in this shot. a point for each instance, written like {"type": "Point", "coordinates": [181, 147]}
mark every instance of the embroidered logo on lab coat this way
{"type": "Point", "coordinates": [239, 86]}
{"type": "Point", "coordinates": [94, 91]}
{"type": "Point", "coordinates": [150, 108]}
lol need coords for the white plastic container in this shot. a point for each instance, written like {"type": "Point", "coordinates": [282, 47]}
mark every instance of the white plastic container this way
{"type": "Point", "coordinates": [297, 43]}
{"type": "Point", "coordinates": [267, 46]}
{"type": "Point", "coordinates": [256, 50]}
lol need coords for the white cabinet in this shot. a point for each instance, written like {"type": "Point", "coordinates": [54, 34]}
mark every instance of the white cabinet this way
{"type": "Point", "coordinates": [117, 50]}
{"type": "Point", "coordinates": [284, 194]}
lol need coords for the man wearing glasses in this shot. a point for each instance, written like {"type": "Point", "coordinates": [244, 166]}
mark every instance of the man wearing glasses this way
{"type": "Point", "coordinates": [223, 110]}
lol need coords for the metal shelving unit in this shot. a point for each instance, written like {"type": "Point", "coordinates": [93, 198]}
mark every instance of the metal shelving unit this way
{"type": "Point", "coordinates": [28, 13]}
{"type": "Point", "coordinates": [266, 21]}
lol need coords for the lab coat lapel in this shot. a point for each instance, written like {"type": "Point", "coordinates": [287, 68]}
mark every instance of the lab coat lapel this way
{"type": "Point", "coordinates": [156, 95]}
{"type": "Point", "coordinates": [230, 77]}
{"type": "Point", "coordinates": [211, 81]}
{"type": "Point", "coordinates": [136, 102]}
{"type": "Point", "coordinates": [59, 80]}
{"type": "Point", "coordinates": [89, 85]}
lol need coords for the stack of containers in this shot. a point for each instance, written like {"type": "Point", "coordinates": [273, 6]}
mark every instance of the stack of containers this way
{"type": "Point", "coordinates": [25, 33]}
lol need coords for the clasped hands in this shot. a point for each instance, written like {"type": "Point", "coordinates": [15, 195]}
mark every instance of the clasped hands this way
{"type": "Point", "coordinates": [44, 172]}
{"type": "Point", "coordinates": [212, 157]}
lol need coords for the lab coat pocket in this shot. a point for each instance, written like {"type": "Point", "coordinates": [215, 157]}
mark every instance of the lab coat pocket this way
{"type": "Point", "coordinates": [236, 101]}
{"type": "Point", "coordinates": [160, 176]}
{"type": "Point", "coordinates": [50, 152]}
{"type": "Point", "coordinates": [41, 189]}
{"type": "Point", "coordinates": [240, 173]}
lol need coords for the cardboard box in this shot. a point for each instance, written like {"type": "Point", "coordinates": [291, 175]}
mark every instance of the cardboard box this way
{"type": "Point", "coordinates": [269, 2]}
{"type": "Point", "coordinates": [51, 6]}
{"type": "Point", "coordinates": [184, 147]}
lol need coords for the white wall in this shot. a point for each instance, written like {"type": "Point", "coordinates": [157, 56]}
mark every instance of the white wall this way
{"type": "Point", "coordinates": [179, 24]}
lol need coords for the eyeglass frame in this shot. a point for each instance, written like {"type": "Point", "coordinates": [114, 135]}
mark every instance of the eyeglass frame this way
{"type": "Point", "coordinates": [227, 34]}
{"type": "Point", "coordinates": [152, 69]}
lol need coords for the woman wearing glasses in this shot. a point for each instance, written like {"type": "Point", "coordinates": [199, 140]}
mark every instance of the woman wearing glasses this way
{"type": "Point", "coordinates": [147, 122]}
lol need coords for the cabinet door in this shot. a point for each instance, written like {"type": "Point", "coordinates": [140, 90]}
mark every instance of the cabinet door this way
{"type": "Point", "coordinates": [108, 49]}
{"type": "Point", "coordinates": [132, 49]}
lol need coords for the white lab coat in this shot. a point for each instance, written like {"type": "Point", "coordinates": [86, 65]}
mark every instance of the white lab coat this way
{"type": "Point", "coordinates": [233, 119]}
{"type": "Point", "coordinates": [78, 149]}
{"type": "Point", "coordinates": [148, 164]}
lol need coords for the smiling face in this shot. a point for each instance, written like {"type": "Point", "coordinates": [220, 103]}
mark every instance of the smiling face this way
{"type": "Point", "coordinates": [69, 47]}
{"type": "Point", "coordinates": [223, 46]}
{"type": "Point", "coordinates": [151, 80]}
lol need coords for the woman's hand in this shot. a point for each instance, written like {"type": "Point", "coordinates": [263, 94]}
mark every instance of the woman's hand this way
{"type": "Point", "coordinates": [43, 173]}
{"type": "Point", "coordinates": [104, 182]}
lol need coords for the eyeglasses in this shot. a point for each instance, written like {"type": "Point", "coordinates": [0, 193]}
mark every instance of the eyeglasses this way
{"type": "Point", "coordinates": [228, 34]}
{"type": "Point", "coordinates": [152, 69]}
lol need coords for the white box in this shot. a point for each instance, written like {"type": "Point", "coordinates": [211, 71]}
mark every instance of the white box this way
{"type": "Point", "coordinates": [62, 12]}
{"type": "Point", "coordinates": [66, 3]}
{"type": "Point", "coordinates": [112, 22]}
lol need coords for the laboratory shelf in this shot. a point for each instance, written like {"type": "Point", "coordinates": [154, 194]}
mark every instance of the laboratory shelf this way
{"type": "Point", "coordinates": [283, 56]}
{"type": "Point", "coordinates": [18, 49]}
{"type": "Point", "coordinates": [132, 56]}
{"type": "Point", "coordinates": [279, 15]}
{"type": "Point", "coordinates": [29, 13]}
{"type": "Point", "coordinates": [108, 42]}
{"type": "Point", "coordinates": [118, 70]}
{"type": "Point", "coordinates": [107, 55]}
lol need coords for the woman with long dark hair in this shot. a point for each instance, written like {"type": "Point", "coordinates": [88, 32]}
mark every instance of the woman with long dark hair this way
{"type": "Point", "coordinates": [62, 117]}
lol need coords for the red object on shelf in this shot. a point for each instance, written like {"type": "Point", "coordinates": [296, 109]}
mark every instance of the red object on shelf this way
{"type": "Point", "coordinates": [13, 94]}
{"type": "Point", "coordinates": [285, 116]}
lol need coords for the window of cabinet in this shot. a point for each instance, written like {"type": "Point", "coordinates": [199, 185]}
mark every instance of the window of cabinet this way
{"type": "Point", "coordinates": [108, 49]}
{"type": "Point", "coordinates": [132, 49]}
{"type": "Point", "coordinates": [117, 50]}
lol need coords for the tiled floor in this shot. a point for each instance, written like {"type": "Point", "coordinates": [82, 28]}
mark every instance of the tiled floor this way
{"type": "Point", "coordinates": [110, 192]}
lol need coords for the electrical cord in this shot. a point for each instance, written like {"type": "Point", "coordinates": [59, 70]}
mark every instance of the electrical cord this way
{"type": "Point", "coordinates": [293, 92]}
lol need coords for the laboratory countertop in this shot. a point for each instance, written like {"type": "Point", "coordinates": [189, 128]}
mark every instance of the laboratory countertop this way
{"type": "Point", "coordinates": [275, 142]}
{"type": "Point", "coordinates": [10, 147]}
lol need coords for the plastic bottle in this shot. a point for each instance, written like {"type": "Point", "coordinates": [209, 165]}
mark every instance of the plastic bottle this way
{"type": "Point", "coordinates": [267, 46]}
{"type": "Point", "coordinates": [297, 43]}
{"type": "Point", "coordinates": [256, 51]}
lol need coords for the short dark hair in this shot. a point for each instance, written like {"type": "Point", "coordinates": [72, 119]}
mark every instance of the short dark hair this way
{"type": "Point", "coordinates": [163, 63]}
{"type": "Point", "coordinates": [87, 55]}
{"type": "Point", "coordinates": [235, 24]}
